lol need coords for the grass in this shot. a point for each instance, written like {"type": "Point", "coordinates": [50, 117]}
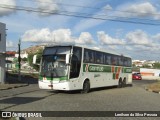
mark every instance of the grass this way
{"type": "Point", "coordinates": [154, 86]}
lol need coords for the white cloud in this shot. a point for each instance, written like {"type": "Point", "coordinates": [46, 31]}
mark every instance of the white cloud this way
{"type": "Point", "coordinates": [106, 39]}
{"type": "Point", "coordinates": [138, 37]}
{"type": "Point", "coordinates": [145, 9]}
{"type": "Point", "coordinates": [7, 3]}
{"type": "Point", "coordinates": [9, 44]}
{"type": "Point", "coordinates": [46, 35]}
{"type": "Point", "coordinates": [157, 37]}
{"type": "Point", "coordinates": [59, 36]}
{"type": "Point", "coordinates": [142, 43]}
{"type": "Point", "coordinates": [47, 7]}
{"type": "Point", "coordinates": [130, 10]}
{"type": "Point", "coordinates": [85, 38]}
{"type": "Point", "coordinates": [89, 23]}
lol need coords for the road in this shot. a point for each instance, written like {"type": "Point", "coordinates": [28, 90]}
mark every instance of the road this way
{"type": "Point", "coordinates": [31, 98]}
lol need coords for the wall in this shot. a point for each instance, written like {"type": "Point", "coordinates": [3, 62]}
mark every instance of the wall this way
{"type": "Point", "coordinates": [149, 72]}
{"type": "Point", "coordinates": [2, 51]}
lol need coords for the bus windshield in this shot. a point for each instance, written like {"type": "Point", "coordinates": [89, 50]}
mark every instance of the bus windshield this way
{"type": "Point", "coordinates": [54, 66]}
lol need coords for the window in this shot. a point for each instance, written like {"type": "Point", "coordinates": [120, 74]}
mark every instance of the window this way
{"type": "Point", "coordinates": [129, 63]}
{"type": "Point", "coordinates": [99, 57]}
{"type": "Point", "coordinates": [77, 52]}
{"type": "Point", "coordinates": [120, 60]}
{"type": "Point", "coordinates": [88, 56]}
{"type": "Point", "coordinates": [125, 62]}
{"type": "Point", "coordinates": [114, 60]}
{"type": "Point", "coordinates": [76, 62]}
{"type": "Point", "coordinates": [107, 59]}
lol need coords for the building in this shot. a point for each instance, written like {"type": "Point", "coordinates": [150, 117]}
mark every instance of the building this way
{"type": "Point", "coordinates": [2, 51]}
{"type": "Point", "coordinates": [23, 55]}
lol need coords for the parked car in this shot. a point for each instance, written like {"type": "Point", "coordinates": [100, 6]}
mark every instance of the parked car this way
{"type": "Point", "coordinates": [136, 76]}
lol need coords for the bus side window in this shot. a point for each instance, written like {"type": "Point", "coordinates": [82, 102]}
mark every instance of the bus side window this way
{"type": "Point", "coordinates": [91, 56]}
{"type": "Point", "coordinates": [129, 62]}
{"type": "Point", "coordinates": [99, 57]}
{"type": "Point", "coordinates": [86, 56]}
{"type": "Point", "coordinates": [113, 60]}
{"type": "Point", "coordinates": [125, 61]}
{"type": "Point", "coordinates": [107, 59]}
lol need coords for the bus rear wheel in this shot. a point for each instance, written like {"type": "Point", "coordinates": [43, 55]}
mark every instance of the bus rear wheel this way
{"type": "Point", "coordinates": [86, 87]}
{"type": "Point", "coordinates": [120, 83]}
{"type": "Point", "coordinates": [124, 82]}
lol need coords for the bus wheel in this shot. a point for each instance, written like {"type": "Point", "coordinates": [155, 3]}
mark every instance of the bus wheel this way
{"type": "Point", "coordinates": [120, 83]}
{"type": "Point", "coordinates": [86, 87]}
{"type": "Point", "coordinates": [124, 82]}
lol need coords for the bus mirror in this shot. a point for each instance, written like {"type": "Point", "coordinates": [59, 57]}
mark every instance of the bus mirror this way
{"type": "Point", "coordinates": [67, 58]}
{"type": "Point", "coordinates": [34, 59]}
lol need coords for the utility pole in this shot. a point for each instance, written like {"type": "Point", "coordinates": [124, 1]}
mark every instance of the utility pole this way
{"type": "Point", "coordinates": [19, 60]}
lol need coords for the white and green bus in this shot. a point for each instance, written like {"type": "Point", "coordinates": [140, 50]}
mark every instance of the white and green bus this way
{"type": "Point", "coordinates": [80, 68]}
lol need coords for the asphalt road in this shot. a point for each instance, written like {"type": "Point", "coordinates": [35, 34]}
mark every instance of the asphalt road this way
{"type": "Point", "coordinates": [31, 98]}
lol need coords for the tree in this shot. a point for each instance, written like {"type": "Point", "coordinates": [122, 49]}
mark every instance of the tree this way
{"type": "Point", "coordinates": [146, 66]}
{"type": "Point", "coordinates": [156, 65]}
{"type": "Point", "coordinates": [30, 59]}
{"type": "Point", "coordinates": [24, 59]}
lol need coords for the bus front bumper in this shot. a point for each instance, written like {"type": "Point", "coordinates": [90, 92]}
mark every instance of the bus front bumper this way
{"type": "Point", "coordinates": [54, 85]}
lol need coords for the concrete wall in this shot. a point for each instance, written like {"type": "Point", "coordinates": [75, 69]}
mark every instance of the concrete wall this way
{"type": "Point", "coordinates": [2, 51]}
{"type": "Point", "coordinates": [149, 72]}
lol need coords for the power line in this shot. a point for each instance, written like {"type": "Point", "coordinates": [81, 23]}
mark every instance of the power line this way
{"type": "Point", "coordinates": [30, 9]}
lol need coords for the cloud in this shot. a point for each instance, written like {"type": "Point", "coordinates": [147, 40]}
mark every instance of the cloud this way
{"type": "Point", "coordinates": [46, 7]}
{"type": "Point", "coordinates": [105, 39]}
{"type": "Point", "coordinates": [145, 9]}
{"type": "Point", "coordinates": [45, 35]}
{"type": "Point", "coordinates": [130, 10]}
{"type": "Point", "coordinates": [89, 23]}
{"type": "Point", "coordinates": [59, 36]}
{"type": "Point", "coordinates": [140, 41]}
{"type": "Point", "coordinates": [9, 44]}
{"type": "Point", "coordinates": [138, 37]}
{"type": "Point", "coordinates": [6, 3]}
{"type": "Point", "coordinates": [157, 37]}
{"type": "Point", "coordinates": [135, 43]}
{"type": "Point", "coordinates": [85, 38]}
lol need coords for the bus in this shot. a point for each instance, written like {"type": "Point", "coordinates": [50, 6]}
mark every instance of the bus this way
{"type": "Point", "coordinates": [73, 67]}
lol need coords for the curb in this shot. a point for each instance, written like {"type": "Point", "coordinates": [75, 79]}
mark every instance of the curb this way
{"type": "Point", "coordinates": [150, 90]}
{"type": "Point", "coordinates": [17, 86]}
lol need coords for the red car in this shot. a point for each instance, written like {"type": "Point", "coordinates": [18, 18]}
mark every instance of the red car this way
{"type": "Point", "coordinates": [136, 76]}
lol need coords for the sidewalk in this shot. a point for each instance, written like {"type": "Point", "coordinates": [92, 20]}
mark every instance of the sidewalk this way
{"type": "Point", "coordinates": [13, 82]}
{"type": "Point", "coordinates": [154, 87]}
{"type": "Point", "coordinates": [151, 78]}
{"type": "Point", "coordinates": [11, 86]}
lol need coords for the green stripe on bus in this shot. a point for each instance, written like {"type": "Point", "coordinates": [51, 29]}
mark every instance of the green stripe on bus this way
{"type": "Point", "coordinates": [127, 70]}
{"type": "Point", "coordinates": [96, 68]}
{"type": "Point", "coordinates": [102, 68]}
{"type": "Point", "coordinates": [55, 79]}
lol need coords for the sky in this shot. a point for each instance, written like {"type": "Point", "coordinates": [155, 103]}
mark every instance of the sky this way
{"type": "Point", "coordinates": [128, 27]}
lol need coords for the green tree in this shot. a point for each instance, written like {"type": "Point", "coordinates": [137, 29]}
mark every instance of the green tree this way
{"type": "Point", "coordinates": [156, 65]}
{"type": "Point", "coordinates": [30, 59]}
{"type": "Point", "coordinates": [146, 66]}
{"type": "Point", "coordinates": [24, 59]}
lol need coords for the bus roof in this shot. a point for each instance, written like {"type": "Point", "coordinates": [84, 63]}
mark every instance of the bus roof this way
{"type": "Point", "coordinates": [91, 48]}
